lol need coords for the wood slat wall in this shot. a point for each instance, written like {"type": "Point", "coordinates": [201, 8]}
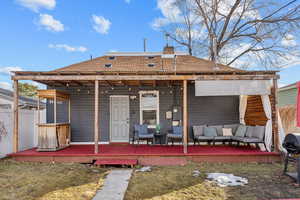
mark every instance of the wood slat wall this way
{"type": "Point", "coordinates": [255, 114]}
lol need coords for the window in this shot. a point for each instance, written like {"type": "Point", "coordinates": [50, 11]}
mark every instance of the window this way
{"type": "Point", "coordinates": [149, 108]}
{"type": "Point", "coordinates": [151, 65]}
{"type": "Point", "coordinates": [111, 57]}
{"type": "Point", "coordinates": [150, 57]}
{"type": "Point", "coordinates": [108, 65]}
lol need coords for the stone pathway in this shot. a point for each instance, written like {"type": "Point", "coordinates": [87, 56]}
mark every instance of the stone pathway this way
{"type": "Point", "coordinates": [115, 185]}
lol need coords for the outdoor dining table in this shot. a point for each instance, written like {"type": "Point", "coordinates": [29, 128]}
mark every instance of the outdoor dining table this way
{"type": "Point", "coordinates": [160, 138]}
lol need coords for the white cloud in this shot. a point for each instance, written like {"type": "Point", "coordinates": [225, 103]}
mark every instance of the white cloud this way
{"type": "Point", "coordinates": [289, 40]}
{"type": "Point", "coordinates": [100, 24]}
{"type": "Point", "coordinates": [127, 1]}
{"type": "Point", "coordinates": [68, 47]}
{"type": "Point", "coordinates": [170, 11]}
{"type": "Point", "coordinates": [9, 70]}
{"type": "Point", "coordinates": [5, 85]}
{"type": "Point", "coordinates": [50, 24]}
{"type": "Point", "coordinates": [35, 5]}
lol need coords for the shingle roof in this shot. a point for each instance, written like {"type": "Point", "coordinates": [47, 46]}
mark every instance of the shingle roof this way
{"type": "Point", "coordinates": [146, 62]}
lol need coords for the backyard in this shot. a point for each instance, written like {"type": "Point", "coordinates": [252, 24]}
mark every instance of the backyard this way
{"type": "Point", "coordinates": [178, 182]}
{"type": "Point", "coordinates": [23, 180]}
{"type": "Point", "coordinates": [44, 181]}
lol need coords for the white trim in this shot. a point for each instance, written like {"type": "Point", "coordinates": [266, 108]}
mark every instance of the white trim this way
{"type": "Point", "coordinates": [74, 143]}
{"type": "Point", "coordinates": [157, 106]}
{"type": "Point", "coordinates": [110, 125]}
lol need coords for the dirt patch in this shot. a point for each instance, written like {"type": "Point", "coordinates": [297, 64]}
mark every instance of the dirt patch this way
{"type": "Point", "coordinates": [43, 181]}
{"type": "Point", "coordinates": [178, 182]}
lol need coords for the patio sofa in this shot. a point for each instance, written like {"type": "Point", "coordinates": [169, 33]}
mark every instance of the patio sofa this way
{"type": "Point", "coordinates": [240, 134]}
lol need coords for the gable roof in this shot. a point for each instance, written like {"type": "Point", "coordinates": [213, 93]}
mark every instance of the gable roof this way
{"type": "Point", "coordinates": [147, 62]}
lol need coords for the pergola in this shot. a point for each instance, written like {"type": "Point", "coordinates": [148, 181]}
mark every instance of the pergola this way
{"type": "Point", "coordinates": [126, 78]}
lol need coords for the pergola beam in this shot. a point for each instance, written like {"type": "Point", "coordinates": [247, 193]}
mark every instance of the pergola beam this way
{"type": "Point", "coordinates": [141, 77]}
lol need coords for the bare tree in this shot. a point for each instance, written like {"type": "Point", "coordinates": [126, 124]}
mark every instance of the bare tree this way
{"type": "Point", "coordinates": [243, 33]}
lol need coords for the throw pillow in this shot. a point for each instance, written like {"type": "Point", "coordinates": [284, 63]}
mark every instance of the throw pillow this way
{"type": "Point", "coordinates": [232, 126]}
{"type": "Point", "coordinates": [198, 130]}
{"type": "Point", "coordinates": [210, 132]}
{"type": "Point", "coordinates": [227, 132]}
{"type": "Point", "coordinates": [219, 129]}
{"type": "Point", "coordinates": [241, 131]}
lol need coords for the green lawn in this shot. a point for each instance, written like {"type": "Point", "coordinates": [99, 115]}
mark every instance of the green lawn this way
{"type": "Point", "coordinates": [177, 182]}
{"type": "Point", "coordinates": [24, 180]}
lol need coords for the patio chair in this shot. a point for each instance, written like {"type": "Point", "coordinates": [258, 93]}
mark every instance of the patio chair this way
{"type": "Point", "coordinates": [175, 134]}
{"type": "Point", "coordinates": [141, 132]}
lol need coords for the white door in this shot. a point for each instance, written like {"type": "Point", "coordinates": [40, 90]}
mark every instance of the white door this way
{"type": "Point", "coordinates": [119, 119]}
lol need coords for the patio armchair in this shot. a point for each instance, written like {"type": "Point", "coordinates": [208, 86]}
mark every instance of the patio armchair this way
{"type": "Point", "coordinates": [141, 132]}
{"type": "Point", "coordinates": [175, 134]}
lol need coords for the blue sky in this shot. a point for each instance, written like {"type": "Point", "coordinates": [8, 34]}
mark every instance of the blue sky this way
{"type": "Point", "coordinates": [42, 35]}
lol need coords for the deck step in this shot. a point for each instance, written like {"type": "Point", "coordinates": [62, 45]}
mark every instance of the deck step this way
{"type": "Point", "coordinates": [128, 162]}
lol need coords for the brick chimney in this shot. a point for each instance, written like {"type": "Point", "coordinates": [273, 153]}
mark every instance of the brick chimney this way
{"type": "Point", "coordinates": [168, 50]}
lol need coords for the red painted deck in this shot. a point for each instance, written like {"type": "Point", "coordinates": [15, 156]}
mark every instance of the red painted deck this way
{"type": "Point", "coordinates": [151, 154]}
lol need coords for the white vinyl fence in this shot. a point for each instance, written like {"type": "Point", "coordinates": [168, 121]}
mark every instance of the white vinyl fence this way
{"type": "Point", "coordinates": [27, 130]}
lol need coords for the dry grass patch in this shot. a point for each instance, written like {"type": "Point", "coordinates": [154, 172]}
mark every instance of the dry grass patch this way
{"type": "Point", "coordinates": [177, 182]}
{"type": "Point", "coordinates": [25, 180]}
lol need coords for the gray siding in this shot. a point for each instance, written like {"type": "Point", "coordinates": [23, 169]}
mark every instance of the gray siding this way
{"type": "Point", "coordinates": [202, 110]}
{"type": "Point", "coordinates": [287, 97]}
{"type": "Point", "coordinates": [212, 110]}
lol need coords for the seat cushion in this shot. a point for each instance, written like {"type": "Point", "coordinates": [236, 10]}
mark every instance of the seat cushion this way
{"type": "Point", "coordinates": [146, 136]}
{"type": "Point", "coordinates": [219, 129]}
{"type": "Point", "coordinates": [259, 132]}
{"type": "Point", "coordinates": [198, 130]}
{"type": "Point", "coordinates": [233, 127]}
{"type": "Point", "coordinates": [249, 131]}
{"type": "Point", "coordinates": [205, 138]}
{"type": "Point", "coordinates": [237, 138]}
{"type": "Point", "coordinates": [251, 139]}
{"type": "Point", "coordinates": [241, 131]}
{"type": "Point", "coordinates": [174, 136]}
{"type": "Point", "coordinates": [219, 138]}
{"type": "Point", "coordinates": [210, 131]}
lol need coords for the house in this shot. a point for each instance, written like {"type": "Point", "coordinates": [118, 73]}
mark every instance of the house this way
{"type": "Point", "coordinates": [102, 99]}
{"type": "Point", "coordinates": [28, 115]}
{"type": "Point", "coordinates": [287, 95]}
{"type": "Point", "coordinates": [287, 103]}
{"type": "Point", "coordinates": [6, 101]}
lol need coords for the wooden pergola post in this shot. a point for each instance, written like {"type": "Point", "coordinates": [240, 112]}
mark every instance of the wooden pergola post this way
{"type": "Point", "coordinates": [16, 117]}
{"type": "Point", "coordinates": [96, 131]}
{"type": "Point", "coordinates": [275, 124]}
{"type": "Point", "coordinates": [185, 118]}
{"type": "Point", "coordinates": [54, 103]}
